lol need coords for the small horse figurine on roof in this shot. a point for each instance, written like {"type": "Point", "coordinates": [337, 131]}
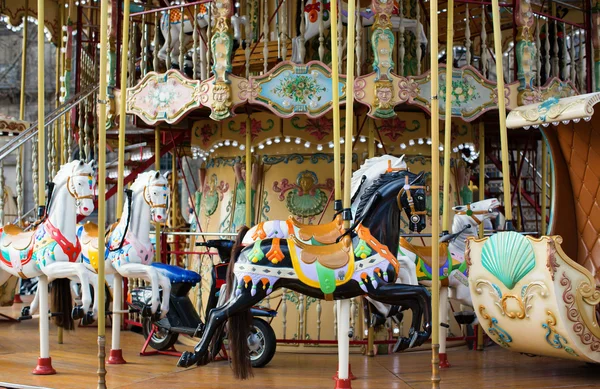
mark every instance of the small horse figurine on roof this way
{"type": "Point", "coordinates": [363, 261]}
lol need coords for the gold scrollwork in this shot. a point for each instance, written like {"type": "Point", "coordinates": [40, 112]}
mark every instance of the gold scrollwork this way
{"type": "Point", "coordinates": [519, 315]}
{"type": "Point", "coordinates": [500, 300]}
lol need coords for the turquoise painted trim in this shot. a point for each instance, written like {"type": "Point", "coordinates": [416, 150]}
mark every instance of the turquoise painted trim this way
{"type": "Point", "coordinates": [552, 185]}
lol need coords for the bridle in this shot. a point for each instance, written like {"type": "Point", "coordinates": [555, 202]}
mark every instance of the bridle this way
{"type": "Point", "coordinates": [73, 192]}
{"type": "Point", "coordinates": [472, 214]}
{"type": "Point", "coordinates": [391, 169]}
{"type": "Point", "coordinates": [415, 216]}
{"type": "Point", "coordinates": [148, 199]}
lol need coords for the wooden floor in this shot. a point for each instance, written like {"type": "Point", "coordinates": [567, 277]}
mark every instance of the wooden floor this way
{"type": "Point", "coordinates": [76, 362]}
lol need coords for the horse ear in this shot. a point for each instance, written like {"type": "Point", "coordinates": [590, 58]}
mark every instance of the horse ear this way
{"type": "Point", "coordinates": [157, 174]}
{"type": "Point", "coordinates": [459, 208]}
{"type": "Point", "coordinates": [80, 163]}
{"type": "Point", "coordinates": [418, 178]}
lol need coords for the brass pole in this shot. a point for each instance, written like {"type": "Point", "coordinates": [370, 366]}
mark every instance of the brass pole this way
{"type": "Point", "coordinates": [544, 230]}
{"type": "Point", "coordinates": [157, 168]}
{"type": "Point", "coordinates": [447, 116]}
{"type": "Point", "coordinates": [41, 106]}
{"type": "Point", "coordinates": [501, 112]}
{"type": "Point", "coordinates": [102, 104]}
{"type": "Point", "coordinates": [248, 184]}
{"type": "Point", "coordinates": [122, 106]}
{"type": "Point", "coordinates": [337, 169]}
{"type": "Point", "coordinates": [371, 147]}
{"type": "Point", "coordinates": [435, 208]}
{"type": "Point", "coordinates": [481, 197]}
{"type": "Point", "coordinates": [24, 64]}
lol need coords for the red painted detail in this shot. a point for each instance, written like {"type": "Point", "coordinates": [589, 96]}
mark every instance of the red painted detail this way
{"type": "Point", "coordinates": [343, 384]}
{"type": "Point", "coordinates": [444, 364]}
{"type": "Point", "coordinates": [44, 367]}
{"type": "Point", "coordinates": [116, 357]}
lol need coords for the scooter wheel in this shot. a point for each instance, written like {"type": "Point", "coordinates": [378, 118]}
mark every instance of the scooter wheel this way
{"type": "Point", "coordinates": [262, 343]}
{"type": "Point", "coordinates": [162, 339]}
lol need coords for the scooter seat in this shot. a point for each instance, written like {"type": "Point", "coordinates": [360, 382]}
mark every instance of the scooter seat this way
{"type": "Point", "coordinates": [177, 274]}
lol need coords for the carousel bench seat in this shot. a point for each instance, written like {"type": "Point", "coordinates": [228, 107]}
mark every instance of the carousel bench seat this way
{"type": "Point", "coordinates": [530, 297]}
{"type": "Point", "coordinates": [177, 274]}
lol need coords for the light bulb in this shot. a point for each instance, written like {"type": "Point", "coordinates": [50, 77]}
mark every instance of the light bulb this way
{"type": "Point", "coordinates": [411, 142]}
{"type": "Point", "coordinates": [363, 139]}
{"type": "Point", "coordinates": [277, 140]}
{"type": "Point", "coordinates": [269, 142]}
{"type": "Point", "coordinates": [402, 146]}
{"type": "Point", "coordinates": [307, 144]}
{"type": "Point", "coordinates": [261, 146]}
{"type": "Point", "coordinates": [287, 139]}
{"type": "Point", "coordinates": [420, 141]}
{"type": "Point", "coordinates": [298, 141]}
{"type": "Point", "coordinates": [319, 147]}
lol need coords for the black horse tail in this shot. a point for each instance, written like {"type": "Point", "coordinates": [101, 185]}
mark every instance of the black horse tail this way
{"type": "Point", "coordinates": [62, 303]}
{"type": "Point", "coordinates": [238, 325]}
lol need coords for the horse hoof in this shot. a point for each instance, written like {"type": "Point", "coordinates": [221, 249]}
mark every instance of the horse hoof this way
{"type": "Point", "coordinates": [77, 313]}
{"type": "Point", "coordinates": [26, 311]}
{"type": "Point", "coordinates": [87, 319]}
{"type": "Point", "coordinates": [186, 359]}
{"type": "Point", "coordinates": [401, 345]}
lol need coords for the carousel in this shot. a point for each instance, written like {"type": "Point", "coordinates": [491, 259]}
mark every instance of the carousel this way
{"type": "Point", "coordinates": [284, 191]}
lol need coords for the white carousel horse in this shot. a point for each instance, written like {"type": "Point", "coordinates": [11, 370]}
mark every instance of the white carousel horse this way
{"type": "Point", "coordinates": [128, 247]}
{"type": "Point", "coordinates": [452, 269]}
{"type": "Point", "coordinates": [174, 18]}
{"type": "Point", "coordinates": [129, 251]}
{"type": "Point", "coordinates": [367, 18]}
{"type": "Point", "coordinates": [51, 251]}
{"type": "Point", "coordinates": [76, 188]}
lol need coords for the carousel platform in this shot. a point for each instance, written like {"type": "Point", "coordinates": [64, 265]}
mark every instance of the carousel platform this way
{"type": "Point", "coordinates": [76, 363]}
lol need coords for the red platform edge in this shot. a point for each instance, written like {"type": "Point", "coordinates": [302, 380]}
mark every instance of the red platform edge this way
{"type": "Point", "coordinates": [444, 364]}
{"type": "Point", "coordinates": [116, 357]}
{"type": "Point", "coordinates": [44, 367]}
{"type": "Point", "coordinates": [343, 384]}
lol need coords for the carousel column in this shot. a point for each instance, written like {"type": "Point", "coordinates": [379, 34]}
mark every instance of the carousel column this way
{"type": "Point", "coordinates": [435, 208]}
{"type": "Point", "coordinates": [481, 197]}
{"type": "Point", "coordinates": [344, 335]}
{"type": "Point", "coordinates": [544, 187]}
{"type": "Point", "coordinates": [524, 49]}
{"type": "Point", "coordinates": [342, 378]}
{"type": "Point", "coordinates": [502, 114]}
{"type": "Point", "coordinates": [22, 148]}
{"type": "Point", "coordinates": [157, 168]}
{"type": "Point", "coordinates": [102, 105]}
{"type": "Point", "coordinates": [596, 45]}
{"type": "Point", "coordinates": [44, 365]}
{"type": "Point", "coordinates": [116, 354]}
{"type": "Point", "coordinates": [443, 308]}
{"type": "Point", "coordinates": [248, 190]}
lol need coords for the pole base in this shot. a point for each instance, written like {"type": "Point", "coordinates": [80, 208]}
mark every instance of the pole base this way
{"type": "Point", "coordinates": [18, 299]}
{"type": "Point", "coordinates": [350, 375]}
{"type": "Point", "coordinates": [343, 384]}
{"type": "Point", "coordinates": [444, 364]}
{"type": "Point", "coordinates": [116, 357]}
{"type": "Point", "coordinates": [44, 367]}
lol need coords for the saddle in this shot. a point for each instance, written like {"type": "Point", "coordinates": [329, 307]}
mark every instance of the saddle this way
{"type": "Point", "coordinates": [91, 234]}
{"type": "Point", "coordinates": [332, 256]}
{"type": "Point", "coordinates": [425, 253]}
{"type": "Point", "coordinates": [322, 233]}
{"type": "Point", "coordinates": [15, 236]}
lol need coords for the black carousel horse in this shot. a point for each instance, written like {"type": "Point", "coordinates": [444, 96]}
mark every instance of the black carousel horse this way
{"type": "Point", "coordinates": [362, 262]}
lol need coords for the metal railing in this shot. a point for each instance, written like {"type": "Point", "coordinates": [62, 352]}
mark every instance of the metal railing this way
{"type": "Point", "coordinates": [53, 116]}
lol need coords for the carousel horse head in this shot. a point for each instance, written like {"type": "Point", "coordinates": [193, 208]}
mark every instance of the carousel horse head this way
{"type": "Point", "coordinates": [478, 211]}
{"type": "Point", "coordinates": [381, 204]}
{"type": "Point", "coordinates": [79, 179]}
{"type": "Point", "coordinates": [155, 191]}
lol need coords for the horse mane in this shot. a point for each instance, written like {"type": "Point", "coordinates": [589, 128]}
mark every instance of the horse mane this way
{"type": "Point", "coordinates": [68, 169]}
{"type": "Point", "coordinates": [369, 163]}
{"type": "Point", "coordinates": [378, 183]}
{"type": "Point", "coordinates": [145, 177]}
